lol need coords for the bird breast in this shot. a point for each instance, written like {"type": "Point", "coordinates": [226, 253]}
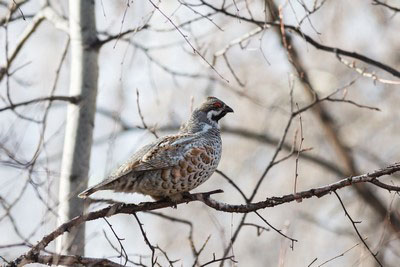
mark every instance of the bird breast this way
{"type": "Point", "coordinates": [198, 164]}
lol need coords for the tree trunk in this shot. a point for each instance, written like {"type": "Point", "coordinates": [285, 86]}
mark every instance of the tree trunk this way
{"type": "Point", "coordinates": [80, 122]}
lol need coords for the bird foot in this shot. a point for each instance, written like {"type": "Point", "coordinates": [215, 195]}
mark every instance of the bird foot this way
{"type": "Point", "coordinates": [172, 198]}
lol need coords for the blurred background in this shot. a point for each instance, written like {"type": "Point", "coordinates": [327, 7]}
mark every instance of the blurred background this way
{"type": "Point", "coordinates": [165, 73]}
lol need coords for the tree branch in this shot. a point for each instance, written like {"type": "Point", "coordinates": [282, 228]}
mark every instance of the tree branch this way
{"type": "Point", "coordinates": [45, 13]}
{"type": "Point", "coordinates": [33, 253]}
{"type": "Point", "coordinates": [73, 260]}
{"type": "Point", "coordinates": [70, 99]}
{"type": "Point", "coordinates": [379, 3]}
{"type": "Point", "coordinates": [356, 229]}
{"type": "Point", "coordinates": [308, 39]}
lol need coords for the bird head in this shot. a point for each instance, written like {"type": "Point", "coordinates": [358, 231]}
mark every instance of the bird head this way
{"type": "Point", "coordinates": [214, 109]}
{"type": "Point", "coordinates": [206, 115]}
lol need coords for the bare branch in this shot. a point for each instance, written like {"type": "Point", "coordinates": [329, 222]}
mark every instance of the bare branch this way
{"type": "Point", "coordinates": [363, 72]}
{"type": "Point", "coordinates": [230, 181]}
{"type": "Point", "coordinates": [309, 40]}
{"type": "Point", "coordinates": [188, 42]}
{"type": "Point", "coordinates": [380, 3]}
{"type": "Point", "coordinates": [353, 103]}
{"type": "Point", "coordinates": [118, 36]}
{"type": "Point", "coordinates": [12, 8]}
{"type": "Point", "coordinates": [338, 256]}
{"type": "Point", "coordinates": [259, 228]}
{"type": "Point", "coordinates": [146, 240]}
{"type": "Point", "coordinates": [292, 240]}
{"type": "Point", "coordinates": [58, 21]}
{"type": "Point", "coordinates": [70, 99]}
{"type": "Point", "coordinates": [356, 229]}
{"type": "Point", "coordinates": [73, 260]}
{"type": "Point", "coordinates": [29, 30]}
{"type": "Point", "coordinates": [123, 251]}
{"type": "Point", "coordinates": [205, 198]}
{"type": "Point", "coordinates": [385, 186]}
{"type": "Point", "coordinates": [141, 116]}
{"type": "Point", "coordinates": [231, 258]}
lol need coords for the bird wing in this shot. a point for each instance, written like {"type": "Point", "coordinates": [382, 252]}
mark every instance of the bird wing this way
{"type": "Point", "coordinates": [163, 153]}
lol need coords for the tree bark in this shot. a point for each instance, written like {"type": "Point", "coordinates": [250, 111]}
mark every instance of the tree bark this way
{"type": "Point", "coordinates": [80, 122]}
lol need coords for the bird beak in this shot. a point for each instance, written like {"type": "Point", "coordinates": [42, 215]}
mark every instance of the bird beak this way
{"type": "Point", "coordinates": [228, 109]}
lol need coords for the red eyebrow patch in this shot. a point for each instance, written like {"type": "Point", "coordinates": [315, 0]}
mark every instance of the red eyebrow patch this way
{"type": "Point", "coordinates": [218, 104]}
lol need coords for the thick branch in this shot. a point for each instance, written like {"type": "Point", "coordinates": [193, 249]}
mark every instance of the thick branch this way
{"type": "Point", "coordinates": [316, 192]}
{"type": "Point", "coordinates": [109, 38]}
{"type": "Point", "coordinates": [74, 260]}
{"type": "Point", "coordinates": [205, 198]}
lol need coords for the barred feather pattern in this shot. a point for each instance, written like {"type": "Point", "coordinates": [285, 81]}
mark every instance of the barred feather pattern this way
{"type": "Point", "coordinates": [172, 164]}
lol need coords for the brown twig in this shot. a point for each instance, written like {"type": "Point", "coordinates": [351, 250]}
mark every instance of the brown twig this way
{"type": "Point", "coordinates": [292, 240]}
{"type": "Point", "coordinates": [197, 255]}
{"type": "Point", "coordinates": [28, 31]}
{"type": "Point", "coordinates": [231, 182]}
{"type": "Point", "coordinates": [380, 3]}
{"type": "Point", "coordinates": [364, 73]}
{"type": "Point", "coordinates": [231, 258]}
{"type": "Point", "coordinates": [187, 41]}
{"type": "Point", "coordinates": [70, 99]}
{"type": "Point", "coordinates": [123, 251]}
{"type": "Point", "coordinates": [296, 173]}
{"type": "Point", "coordinates": [142, 118]}
{"type": "Point", "coordinates": [146, 240]}
{"type": "Point", "coordinates": [338, 256]}
{"type": "Point", "coordinates": [309, 40]}
{"type": "Point", "coordinates": [356, 229]}
{"type": "Point", "coordinates": [74, 260]}
{"type": "Point", "coordinates": [259, 228]}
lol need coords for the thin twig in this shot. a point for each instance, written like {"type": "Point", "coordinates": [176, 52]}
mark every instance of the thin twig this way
{"type": "Point", "coordinates": [146, 240]}
{"type": "Point", "coordinates": [231, 258]}
{"type": "Point", "coordinates": [70, 99]}
{"type": "Point", "coordinates": [292, 240]}
{"type": "Point", "coordinates": [356, 229]}
{"type": "Point", "coordinates": [296, 173]}
{"type": "Point", "coordinates": [338, 256]}
{"type": "Point", "coordinates": [123, 251]}
{"type": "Point", "coordinates": [151, 130]}
{"type": "Point", "coordinates": [309, 40]}
{"type": "Point", "coordinates": [195, 51]}
{"type": "Point", "coordinates": [379, 3]}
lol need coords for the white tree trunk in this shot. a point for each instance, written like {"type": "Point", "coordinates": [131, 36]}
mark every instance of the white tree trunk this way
{"type": "Point", "coordinates": [80, 121]}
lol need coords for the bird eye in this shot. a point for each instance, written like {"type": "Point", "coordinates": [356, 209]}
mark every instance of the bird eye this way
{"type": "Point", "coordinates": [218, 104]}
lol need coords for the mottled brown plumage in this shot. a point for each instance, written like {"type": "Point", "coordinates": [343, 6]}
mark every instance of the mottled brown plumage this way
{"type": "Point", "coordinates": [173, 164]}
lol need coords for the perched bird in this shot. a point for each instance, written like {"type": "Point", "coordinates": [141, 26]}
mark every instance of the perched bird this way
{"type": "Point", "coordinates": [173, 164]}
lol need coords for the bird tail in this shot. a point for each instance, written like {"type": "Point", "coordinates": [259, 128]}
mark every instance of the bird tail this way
{"type": "Point", "coordinates": [88, 192]}
{"type": "Point", "coordinates": [107, 184]}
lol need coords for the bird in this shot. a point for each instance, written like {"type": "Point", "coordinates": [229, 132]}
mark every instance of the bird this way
{"type": "Point", "coordinates": [171, 166]}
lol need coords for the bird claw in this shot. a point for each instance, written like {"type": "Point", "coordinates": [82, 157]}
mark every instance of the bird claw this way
{"type": "Point", "coordinates": [186, 194]}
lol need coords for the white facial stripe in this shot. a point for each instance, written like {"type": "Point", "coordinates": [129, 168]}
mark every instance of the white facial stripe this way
{"type": "Point", "coordinates": [213, 113]}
